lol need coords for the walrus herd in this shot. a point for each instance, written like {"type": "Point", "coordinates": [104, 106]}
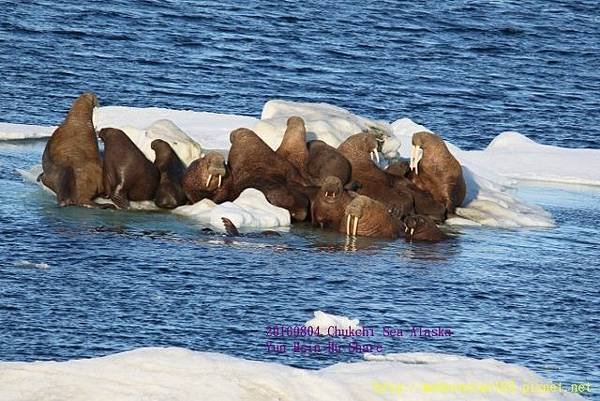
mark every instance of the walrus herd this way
{"type": "Point", "coordinates": [341, 189]}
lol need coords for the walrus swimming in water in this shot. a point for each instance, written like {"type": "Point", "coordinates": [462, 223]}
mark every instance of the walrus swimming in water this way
{"type": "Point", "coordinates": [128, 175]}
{"type": "Point", "coordinates": [169, 193]}
{"type": "Point", "coordinates": [359, 149]}
{"type": "Point", "coordinates": [328, 207]}
{"type": "Point", "coordinates": [324, 161]}
{"type": "Point", "coordinates": [436, 171]}
{"type": "Point", "coordinates": [253, 164]}
{"type": "Point", "coordinates": [370, 218]}
{"type": "Point", "coordinates": [205, 178]}
{"type": "Point", "coordinates": [71, 162]}
{"type": "Point", "coordinates": [422, 228]}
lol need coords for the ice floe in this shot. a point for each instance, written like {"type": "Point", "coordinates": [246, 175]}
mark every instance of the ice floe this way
{"type": "Point", "coordinates": [179, 374]}
{"type": "Point", "coordinates": [324, 320]}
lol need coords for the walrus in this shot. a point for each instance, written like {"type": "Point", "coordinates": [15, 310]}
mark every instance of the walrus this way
{"type": "Point", "coordinates": [328, 207]}
{"type": "Point", "coordinates": [204, 178]}
{"type": "Point", "coordinates": [169, 193]}
{"type": "Point", "coordinates": [360, 149]}
{"type": "Point", "coordinates": [71, 162]}
{"type": "Point", "coordinates": [370, 218]}
{"type": "Point", "coordinates": [127, 174]}
{"type": "Point", "coordinates": [253, 164]}
{"type": "Point", "coordinates": [436, 171]}
{"type": "Point", "coordinates": [422, 228]}
{"type": "Point", "coordinates": [293, 145]}
{"type": "Point", "coordinates": [324, 161]}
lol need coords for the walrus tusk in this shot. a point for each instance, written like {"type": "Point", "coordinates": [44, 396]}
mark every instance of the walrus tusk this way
{"type": "Point", "coordinates": [219, 184]}
{"type": "Point", "coordinates": [376, 155]}
{"type": "Point", "coordinates": [412, 231]}
{"type": "Point", "coordinates": [405, 229]}
{"type": "Point", "coordinates": [348, 224]}
{"type": "Point", "coordinates": [355, 226]}
{"type": "Point", "coordinates": [371, 155]}
{"type": "Point", "coordinates": [416, 153]}
{"type": "Point", "coordinates": [326, 194]}
{"type": "Point", "coordinates": [208, 180]}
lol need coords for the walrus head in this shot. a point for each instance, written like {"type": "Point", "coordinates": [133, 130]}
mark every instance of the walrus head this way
{"type": "Point", "coordinates": [295, 121]}
{"type": "Point", "coordinates": [331, 189]}
{"type": "Point", "coordinates": [359, 148]}
{"type": "Point", "coordinates": [421, 228]}
{"type": "Point", "coordinates": [421, 142]}
{"type": "Point", "coordinates": [82, 108]}
{"type": "Point", "coordinates": [106, 133]}
{"type": "Point", "coordinates": [354, 212]}
{"type": "Point", "coordinates": [213, 170]}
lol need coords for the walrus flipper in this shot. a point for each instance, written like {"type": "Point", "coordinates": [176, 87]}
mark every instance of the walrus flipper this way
{"type": "Point", "coordinates": [120, 199]}
{"type": "Point", "coordinates": [66, 185]}
{"type": "Point", "coordinates": [230, 228]}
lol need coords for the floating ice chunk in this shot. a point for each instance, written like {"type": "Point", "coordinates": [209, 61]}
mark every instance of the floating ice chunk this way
{"type": "Point", "coordinates": [209, 129]}
{"type": "Point", "coordinates": [324, 320]}
{"type": "Point", "coordinates": [180, 375]}
{"type": "Point", "coordinates": [326, 122]}
{"type": "Point", "coordinates": [185, 147]}
{"type": "Point", "coordinates": [9, 131]}
{"type": "Point", "coordinates": [250, 210]}
{"type": "Point", "coordinates": [27, 263]}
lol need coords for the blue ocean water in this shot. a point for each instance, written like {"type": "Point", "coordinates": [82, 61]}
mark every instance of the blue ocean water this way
{"type": "Point", "coordinates": [467, 69]}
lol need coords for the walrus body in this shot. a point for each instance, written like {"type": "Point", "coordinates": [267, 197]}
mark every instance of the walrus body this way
{"type": "Point", "coordinates": [71, 162]}
{"type": "Point", "coordinates": [324, 161]}
{"type": "Point", "coordinates": [293, 145]}
{"type": "Point", "coordinates": [370, 218]}
{"type": "Point", "coordinates": [205, 178]}
{"type": "Point", "coordinates": [169, 193]}
{"type": "Point", "coordinates": [374, 182]}
{"type": "Point", "coordinates": [329, 205]}
{"type": "Point", "coordinates": [437, 171]}
{"type": "Point", "coordinates": [253, 164]}
{"type": "Point", "coordinates": [421, 228]}
{"type": "Point", "coordinates": [128, 175]}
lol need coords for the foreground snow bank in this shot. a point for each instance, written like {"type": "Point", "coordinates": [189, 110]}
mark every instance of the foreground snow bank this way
{"type": "Point", "coordinates": [178, 374]}
{"type": "Point", "coordinates": [488, 200]}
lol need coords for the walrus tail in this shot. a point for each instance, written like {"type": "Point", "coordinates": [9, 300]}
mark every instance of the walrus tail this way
{"type": "Point", "coordinates": [230, 228]}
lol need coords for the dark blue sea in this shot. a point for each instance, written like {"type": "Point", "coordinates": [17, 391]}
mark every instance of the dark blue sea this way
{"type": "Point", "coordinates": [81, 283]}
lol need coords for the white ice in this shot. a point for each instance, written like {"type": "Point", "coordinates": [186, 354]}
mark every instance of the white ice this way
{"type": "Point", "coordinates": [178, 374]}
{"type": "Point", "coordinates": [324, 320]}
{"type": "Point", "coordinates": [250, 210]}
{"type": "Point", "coordinates": [9, 131]}
{"type": "Point", "coordinates": [27, 263]}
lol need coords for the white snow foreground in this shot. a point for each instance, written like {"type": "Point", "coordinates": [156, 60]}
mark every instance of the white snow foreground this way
{"type": "Point", "coordinates": [178, 374]}
{"type": "Point", "coordinates": [490, 174]}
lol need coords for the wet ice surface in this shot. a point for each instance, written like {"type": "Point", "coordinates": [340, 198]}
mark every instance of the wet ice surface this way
{"type": "Point", "coordinates": [118, 280]}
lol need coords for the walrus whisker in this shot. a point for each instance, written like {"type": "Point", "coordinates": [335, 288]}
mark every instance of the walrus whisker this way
{"type": "Point", "coordinates": [208, 180]}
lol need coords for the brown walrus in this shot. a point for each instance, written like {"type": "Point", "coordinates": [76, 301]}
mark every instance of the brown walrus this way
{"type": "Point", "coordinates": [436, 171]}
{"type": "Point", "coordinates": [253, 164]}
{"type": "Point", "coordinates": [328, 207]}
{"type": "Point", "coordinates": [324, 161]}
{"type": "Point", "coordinates": [71, 162]}
{"type": "Point", "coordinates": [204, 178]}
{"type": "Point", "coordinates": [422, 228]}
{"type": "Point", "coordinates": [128, 175]}
{"type": "Point", "coordinates": [169, 193]}
{"type": "Point", "coordinates": [293, 145]}
{"type": "Point", "coordinates": [375, 183]}
{"type": "Point", "coordinates": [370, 218]}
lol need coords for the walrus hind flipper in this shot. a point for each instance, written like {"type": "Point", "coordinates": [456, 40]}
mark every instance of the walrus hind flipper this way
{"type": "Point", "coordinates": [120, 200]}
{"type": "Point", "coordinates": [230, 228]}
